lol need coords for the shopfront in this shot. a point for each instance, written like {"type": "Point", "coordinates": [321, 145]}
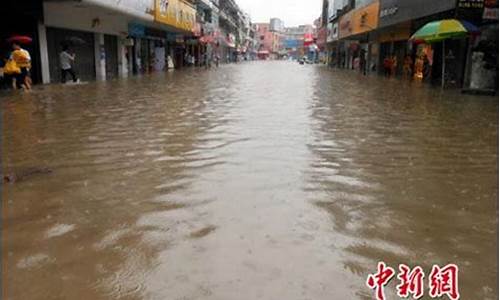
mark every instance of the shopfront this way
{"type": "Point", "coordinates": [180, 15]}
{"type": "Point", "coordinates": [366, 20]}
{"type": "Point", "coordinates": [102, 28]}
{"type": "Point", "coordinates": [393, 42]}
{"type": "Point", "coordinates": [356, 26]}
{"type": "Point", "coordinates": [84, 64]}
{"type": "Point", "coordinates": [393, 12]}
{"type": "Point", "coordinates": [398, 20]}
{"type": "Point", "coordinates": [481, 73]}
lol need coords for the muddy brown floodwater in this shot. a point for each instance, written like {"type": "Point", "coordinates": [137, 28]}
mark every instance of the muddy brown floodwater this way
{"type": "Point", "coordinates": [265, 180]}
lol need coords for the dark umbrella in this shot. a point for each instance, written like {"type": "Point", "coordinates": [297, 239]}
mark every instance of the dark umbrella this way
{"type": "Point", "coordinates": [73, 40]}
{"type": "Point", "coordinates": [23, 39]}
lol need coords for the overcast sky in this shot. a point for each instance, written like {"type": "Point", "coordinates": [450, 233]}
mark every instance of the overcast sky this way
{"type": "Point", "coordinates": [293, 12]}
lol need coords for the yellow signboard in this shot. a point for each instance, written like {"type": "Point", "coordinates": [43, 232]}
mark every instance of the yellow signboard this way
{"type": "Point", "coordinates": [366, 18]}
{"type": "Point", "coordinates": [176, 13]}
{"type": "Point", "coordinates": [358, 21]}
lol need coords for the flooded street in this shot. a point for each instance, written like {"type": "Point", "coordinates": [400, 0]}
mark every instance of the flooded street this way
{"type": "Point", "coordinates": [264, 180]}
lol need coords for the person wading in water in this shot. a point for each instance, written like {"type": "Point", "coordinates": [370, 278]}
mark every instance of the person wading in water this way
{"type": "Point", "coordinates": [65, 60]}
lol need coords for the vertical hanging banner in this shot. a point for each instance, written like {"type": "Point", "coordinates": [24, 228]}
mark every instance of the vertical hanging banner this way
{"type": "Point", "coordinates": [490, 10]}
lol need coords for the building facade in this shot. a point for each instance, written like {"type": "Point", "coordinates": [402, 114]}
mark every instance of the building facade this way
{"type": "Point", "coordinates": [369, 33]}
{"type": "Point", "coordinates": [294, 38]}
{"type": "Point", "coordinates": [277, 25]}
{"type": "Point", "coordinates": [114, 39]}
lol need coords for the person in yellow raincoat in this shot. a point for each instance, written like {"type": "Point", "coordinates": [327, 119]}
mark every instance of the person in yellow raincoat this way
{"type": "Point", "coordinates": [10, 72]}
{"type": "Point", "coordinates": [23, 60]}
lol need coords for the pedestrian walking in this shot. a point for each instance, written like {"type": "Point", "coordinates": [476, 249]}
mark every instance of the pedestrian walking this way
{"type": "Point", "coordinates": [66, 60]}
{"type": "Point", "coordinates": [22, 59]}
{"type": "Point", "coordinates": [408, 67]}
{"type": "Point", "coordinates": [217, 59]}
{"type": "Point", "coordinates": [426, 67]}
{"type": "Point", "coordinates": [205, 59]}
{"type": "Point", "coordinates": [362, 62]}
{"type": "Point", "coordinates": [387, 66]}
{"type": "Point", "coordinates": [394, 64]}
{"type": "Point", "coordinates": [2, 73]}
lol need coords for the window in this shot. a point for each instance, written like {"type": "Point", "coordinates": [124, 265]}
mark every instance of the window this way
{"type": "Point", "coordinates": [208, 16]}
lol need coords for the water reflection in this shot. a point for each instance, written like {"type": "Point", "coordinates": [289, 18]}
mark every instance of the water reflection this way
{"type": "Point", "coordinates": [408, 176]}
{"type": "Point", "coordinates": [275, 179]}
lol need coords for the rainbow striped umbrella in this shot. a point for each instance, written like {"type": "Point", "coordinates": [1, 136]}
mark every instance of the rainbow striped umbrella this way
{"type": "Point", "coordinates": [440, 31]}
{"type": "Point", "coordinates": [437, 31]}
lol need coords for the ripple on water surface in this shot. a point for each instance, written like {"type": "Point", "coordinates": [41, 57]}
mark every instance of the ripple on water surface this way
{"type": "Point", "coordinates": [280, 180]}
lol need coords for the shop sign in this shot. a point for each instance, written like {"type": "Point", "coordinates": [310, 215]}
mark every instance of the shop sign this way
{"type": "Point", "coordinates": [359, 20]}
{"type": "Point", "coordinates": [345, 25]}
{"type": "Point", "coordinates": [490, 10]}
{"type": "Point", "coordinates": [290, 43]}
{"type": "Point", "coordinates": [470, 4]}
{"type": "Point", "coordinates": [490, 13]}
{"type": "Point", "coordinates": [366, 18]}
{"type": "Point", "coordinates": [176, 13]}
{"type": "Point", "coordinates": [136, 30]}
{"type": "Point", "coordinates": [333, 32]}
{"type": "Point", "coordinates": [397, 11]}
{"type": "Point", "coordinates": [389, 11]}
{"type": "Point", "coordinates": [399, 33]}
{"type": "Point", "coordinates": [230, 40]}
{"type": "Point", "coordinates": [322, 34]}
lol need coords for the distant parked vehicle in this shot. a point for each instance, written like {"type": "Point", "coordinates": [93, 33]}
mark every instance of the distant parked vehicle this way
{"type": "Point", "coordinates": [303, 60]}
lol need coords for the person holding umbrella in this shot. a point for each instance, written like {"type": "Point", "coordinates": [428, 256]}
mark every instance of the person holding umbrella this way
{"type": "Point", "coordinates": [440, 31]}
{"type": "Point", "coordinates": [65, 60]}
{"type": "Point", "coordinates": [22, 59]}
